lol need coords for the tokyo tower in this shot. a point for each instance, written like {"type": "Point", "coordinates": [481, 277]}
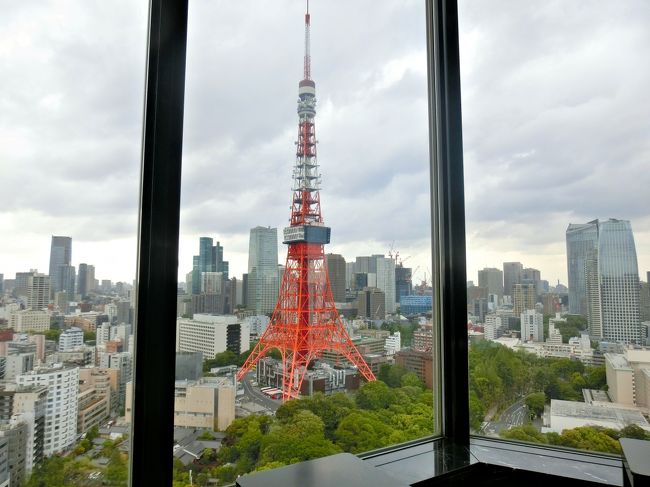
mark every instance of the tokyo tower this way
{"type": "Point", "coordinates": [305, 321]}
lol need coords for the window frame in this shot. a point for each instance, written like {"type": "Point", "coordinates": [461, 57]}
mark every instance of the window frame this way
{"type": "Point", "coordinates": [153, 406]}
{"type": "Point", "coordinates": [158, 233]}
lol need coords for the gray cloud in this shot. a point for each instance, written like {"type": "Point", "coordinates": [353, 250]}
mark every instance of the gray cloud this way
{"type": "Point", "coordinates": [554, 104]}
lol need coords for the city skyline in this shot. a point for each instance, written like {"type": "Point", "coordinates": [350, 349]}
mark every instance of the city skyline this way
{"type": "Point", "coordinates": [388, 79]}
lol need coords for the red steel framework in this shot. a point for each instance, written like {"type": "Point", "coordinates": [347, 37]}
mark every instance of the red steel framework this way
{"type": "Point", "coordinates": [305, 321]}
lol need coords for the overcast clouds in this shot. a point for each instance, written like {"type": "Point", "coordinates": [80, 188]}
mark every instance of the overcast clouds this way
{"type": "Point", "coordinates": [555, 107]}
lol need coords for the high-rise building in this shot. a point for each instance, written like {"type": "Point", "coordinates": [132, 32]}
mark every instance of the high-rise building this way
{"type": "Point", "coordinates": [210, 259]}
{"type": "Point", "coordinates": [123, 363]}
{"type": "Point", "coordinates": [86, 279]}
{"type": "Point", "coordinates": [263, 286]}
{"type": "Point", "coordinates": [60, 255]}
{"type": "Point", "coordinates": [16, 435]}
{"type": "Point", "coordinates": [511, 276]}
{"type": "Point", "coordinates": [2, 284]}
{"type": "Point", "coordinates": [66, 278]}
{"type": "Point", "coordinates": [532, 326]}
{"type": "Point", "coordinates": [386, 280]}
{"type": "Point", "coordinates": [372, 304]}
{"type": "Point", "coordinates": [26, 405]}
{"type": "Point", "coordinates": [206, 255]}
{"type": "Point", "coordinates": [644, 301]}
{"type": "Point", "coordinates": [22, 281]}
{"type": "Point", "coordinates": [581, 240]}
{"type": "Point", "coordinates": [38, 291]}
{"type": "Point", "coordinates": [612, 284]}
{"type": "Point", "coordinates": [336, 270]}
{"type": "Point", "coordinates": [364, 264]}
{"type": "Point", "coordinates": [403, 282]}
{"type": "Point", "coordinates": [123, 312]}
{"type": "Point", "coordinates": [492, 279]}
{"type": "Point", "coordinates": [532, 276]}
{"type": "Point", "coordinates": [524, 297]}
{"type": "Point", "coordinates": [61, 407]}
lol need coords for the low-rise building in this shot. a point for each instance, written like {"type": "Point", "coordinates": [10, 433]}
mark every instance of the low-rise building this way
{"type": "Point", "coordinates": [207, 403]}
{"type": "Point", "coordinates": [628, 377]}
{"type": "Point", "coordinates": [419, 362]}
{"type": "Point", "coordinates": [71, 339]}
{"type": "Point", "coordinates": [29, 320]}
{"type": "Point", "coordinates": [321, 377]}
{"type": "Point", "coordinates": [212, 334]}
{"type": "Point", "coordinates": [572, 414]}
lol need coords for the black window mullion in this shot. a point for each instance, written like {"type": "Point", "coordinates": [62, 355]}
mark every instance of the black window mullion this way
{"type": "Point", "coordinates": [153, 404]}
{"type": "Point", "coordinates": [448, 215]}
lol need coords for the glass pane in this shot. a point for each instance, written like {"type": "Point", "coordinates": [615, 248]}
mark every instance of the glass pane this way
{"type": "Point", "coordinates": [555, 114]}
{"type": "Point", "coordinates": [303, 279]}
{"type": "Point", "coordinates": [71, 96]}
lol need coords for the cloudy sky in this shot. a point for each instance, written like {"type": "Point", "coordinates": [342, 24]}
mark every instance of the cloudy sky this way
{"type": "Point", "coordinates": [555, 106]}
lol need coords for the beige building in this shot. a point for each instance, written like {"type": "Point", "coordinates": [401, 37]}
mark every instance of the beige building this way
{"type": "Point", "coordinates": [628, 377]}
{"type": "Point", "coordinates": [94, 397]}
{"type": "Point", "coordinates": [29, 320]}
{"type": "Point", "coordinates": [207, 403]}
{"type": "Point", "coordinates": [524, 297]}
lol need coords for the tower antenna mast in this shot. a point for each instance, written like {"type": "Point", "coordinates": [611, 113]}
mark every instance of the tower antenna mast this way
{"type": "Point", "coordinates": [307, 73]}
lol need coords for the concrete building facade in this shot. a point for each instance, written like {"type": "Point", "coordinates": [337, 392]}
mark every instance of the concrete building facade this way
{"type": "Point", "coordinates": [212, 334]}
{"type": "Point", "coordinates": [62, 407]}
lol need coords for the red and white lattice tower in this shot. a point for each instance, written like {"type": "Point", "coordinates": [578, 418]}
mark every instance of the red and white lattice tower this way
{"type": "Point", "coordinates": [305, 321]}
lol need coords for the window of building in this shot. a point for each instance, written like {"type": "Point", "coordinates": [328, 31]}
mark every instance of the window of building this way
{"type": "Point", "coordinates": [71, 94]}
{"type": "Point", "coordinates": [554, 108]}
{"type": "Point", "coordinates": [358, 277]}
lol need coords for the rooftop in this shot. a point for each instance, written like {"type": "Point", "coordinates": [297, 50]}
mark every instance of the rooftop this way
{"type": "Point", "coordinates": [581, 410]}
{"type": "Point", "coordinates": [617, 361]}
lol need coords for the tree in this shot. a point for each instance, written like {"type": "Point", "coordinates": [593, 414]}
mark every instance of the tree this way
{"type": "Point", "coordinates": [52, 334]}
{"type": "Point", "coordinates": [589, 438]}
{"type": "Point", "coordinates": [49, 473]}
{"type": "Point", "coordinates": [226, 474]}
{"type": "Point", "coordinates": [374, 395]}
{"type": "Point", "coordinates": [411, 379]}
{"type": "Point", "coordinates": [391, 375]}
{"type": "Point", "coordinates": [92, 433]}
{"type": "Point", "coordinates": [476, 411]}
{"type": "Point", "coordinates": [117, 471]}
{"type": "Point", "coordinates": [634, 431]}
{"type": "Point", "coordinates": [526, 432]}
{"type": "Point", "coordinates": [301, 439]}
{"type": "Point", "coordinates": [207, 455]}
{"type": "Point", "coordinates": [206, 436]}
{"type": "Point", "coordinates": [535, 403]}
{"type": "Point", "coordinates": [362, 431]}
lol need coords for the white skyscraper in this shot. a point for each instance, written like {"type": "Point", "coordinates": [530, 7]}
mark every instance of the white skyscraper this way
{"type": "Point", "coordinates": [263, 287]}
{"type": "Point", "coordinates": [386, 281]}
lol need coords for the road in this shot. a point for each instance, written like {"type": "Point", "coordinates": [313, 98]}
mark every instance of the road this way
{"type": "Point", "coordinates": [253, 394]}
{"type": "Point", "coordinates": [515, 415]}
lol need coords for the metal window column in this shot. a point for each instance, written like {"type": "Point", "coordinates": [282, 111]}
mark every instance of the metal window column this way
{"type": "Point", "coordinates": [153, 404]}
{"type": "Point", "coordinates": [448, 218]}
